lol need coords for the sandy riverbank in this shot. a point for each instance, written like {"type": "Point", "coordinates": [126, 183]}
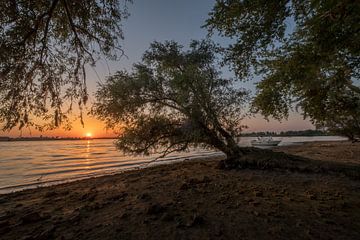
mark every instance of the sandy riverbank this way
{"type": "Point", "coordinates": [195, 200]}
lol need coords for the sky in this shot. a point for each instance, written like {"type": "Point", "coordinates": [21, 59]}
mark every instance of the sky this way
{"type": "Point", "coordinates": [159, 20]}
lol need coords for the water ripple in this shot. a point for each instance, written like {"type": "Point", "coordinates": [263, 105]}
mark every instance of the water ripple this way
{"type": "Point", "coordinates": [30, 164]}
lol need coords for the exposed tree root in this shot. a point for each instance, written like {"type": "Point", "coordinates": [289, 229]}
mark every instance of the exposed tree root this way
{"type": "Point", "coordinates": [263, 159]}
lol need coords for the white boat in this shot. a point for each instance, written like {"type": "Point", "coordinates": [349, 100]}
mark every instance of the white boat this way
{"type": "Point", "coordinates": [265, 142]}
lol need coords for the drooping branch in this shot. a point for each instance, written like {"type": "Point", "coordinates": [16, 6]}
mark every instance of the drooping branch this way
{"type": "Point", "coordinates": [44, 53]}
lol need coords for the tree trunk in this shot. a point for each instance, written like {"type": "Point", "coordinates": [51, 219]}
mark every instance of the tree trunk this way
{"type": "Point", "coordinates": [225, 143]}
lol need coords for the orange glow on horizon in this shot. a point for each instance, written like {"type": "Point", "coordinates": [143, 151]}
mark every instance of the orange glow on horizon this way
{"type": "Point", "coordinates": [91, 126]}
{"type": "Point", "coordinates": [94, 127]}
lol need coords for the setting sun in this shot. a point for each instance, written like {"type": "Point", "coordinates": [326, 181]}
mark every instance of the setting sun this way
{"type": "Point", "coordinates": [88, 135]}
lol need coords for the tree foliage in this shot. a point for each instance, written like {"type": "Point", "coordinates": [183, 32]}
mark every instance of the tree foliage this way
{"type": "Point", "coordinates": [174, 99]}
{"type": "Point", "coordinates": [44, 47]}
{"type": "Point", "coordinates": [306, 51]}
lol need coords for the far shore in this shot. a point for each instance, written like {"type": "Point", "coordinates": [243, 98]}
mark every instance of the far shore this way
{"type": "Point", "coordinates": [196, 200]}
{"type": "Point", "coordinates": [21, 139]}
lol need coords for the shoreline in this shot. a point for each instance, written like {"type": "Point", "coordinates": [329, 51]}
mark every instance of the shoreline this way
{"type": "Point", "coordinates": [195, 200]}
{"type": "Point", "coordinates": [26, 186]}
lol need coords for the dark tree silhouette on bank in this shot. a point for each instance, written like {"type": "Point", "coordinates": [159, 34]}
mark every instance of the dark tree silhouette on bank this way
{"type": "Point", "coordinates": [173, 100]}
{"type": "Point", "coordinates": [44, 48]}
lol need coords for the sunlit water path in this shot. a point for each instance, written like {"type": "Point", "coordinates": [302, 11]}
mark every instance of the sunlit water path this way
{"type": "Point", "coordinates": [30, 164]}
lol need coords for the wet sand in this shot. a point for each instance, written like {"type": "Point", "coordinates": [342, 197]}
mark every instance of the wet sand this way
{"type": "Point", "coordinates": [196, 200]}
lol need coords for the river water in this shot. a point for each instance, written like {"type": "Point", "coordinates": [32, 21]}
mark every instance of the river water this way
{"type": "Point", "coordinates": [29, 164]}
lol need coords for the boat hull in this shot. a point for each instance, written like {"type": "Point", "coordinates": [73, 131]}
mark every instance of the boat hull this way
{"type": "Point", "coordinates": [265, 144]}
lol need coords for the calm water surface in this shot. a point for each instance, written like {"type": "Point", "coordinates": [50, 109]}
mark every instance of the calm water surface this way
{"type": "Point", "coordinates": [30, 164]}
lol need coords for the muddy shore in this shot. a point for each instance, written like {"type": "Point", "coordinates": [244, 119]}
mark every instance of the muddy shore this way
{"type": "Point", "coordinates": [196, 200]}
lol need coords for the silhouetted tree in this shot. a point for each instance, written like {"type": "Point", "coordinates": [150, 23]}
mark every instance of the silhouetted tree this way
{"type": "Point", "coordinates": [173, 100]}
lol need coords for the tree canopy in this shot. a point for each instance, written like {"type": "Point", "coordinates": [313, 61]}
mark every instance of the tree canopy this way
{"type": "Point", "coordinates": [44, 47]}
{"type": "Point", "coordinates": [174, 99]}
{"type": "Point", "coordinates": [307, 53]}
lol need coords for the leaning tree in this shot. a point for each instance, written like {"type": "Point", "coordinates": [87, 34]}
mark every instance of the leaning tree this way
{"type": "Point", "coordinates": [44, 48]}
{"type": "Point", "coordinates": [174, 99]}
{"type": "Point", "coordinates": [307, 53]}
